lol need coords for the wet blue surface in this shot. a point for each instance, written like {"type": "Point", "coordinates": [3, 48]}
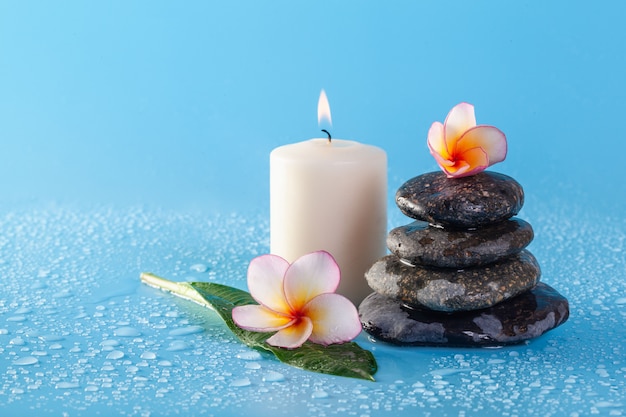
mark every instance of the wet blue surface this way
{"type": "Point", "coordinates": [136, 137]}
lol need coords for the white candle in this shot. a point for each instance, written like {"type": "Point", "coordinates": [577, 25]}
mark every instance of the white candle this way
{"type": "Point", "coordinates": [330, 196]}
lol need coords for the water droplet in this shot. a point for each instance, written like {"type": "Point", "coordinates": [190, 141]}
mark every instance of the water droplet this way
{"type": "Point", "coordinates": [250, 355]}
{"type": "Point", "coordinates": [62, 294]}
{"type": "Point", "coordinates": [116, 354]}
{"type": "Point", "coordinates": [40, 353]}
{"type": "Point", "coordinates": [25, 361]}
{"type": "Point", "coordinates": [166, 364]}
{"type": "Point", "coordinates": [67, 385]}
{"type": "Point", "coordinates": [16, 318]}
{"type": "Point", "coordinates": [241, 382]}
{"type": "Point", "coordinates": [126, 331]}
{"type": "Point", "coordinates": [319, 394]}
{"type": "Point", "coordinates": [51, 338]}
{"type": "Point", "coordinates": [606, 404]}
{"type": "Point", "coordinates": [148, 355]}
{"type": "Point", "coordinates": [199, 268]}
{"type": "Point", "coordinates": [253, 365]}
{"type": "Point", "coordinates": [4, 331]}
{"type": "Point", "coordinates": [448, 371]}
{"type": "Point", "coordinates": [273, 376]}
{"type": "Point", "coordinates": [56, 346]}
{"type": "Point", "coordinates": [91, 388]}
{"type": "Point", "coordinates": [184, 331]}
{"type": "Point", "coordinates": [178, 345]}
{"type": "Point", "coordinates": [38, 285]}
{"type": "Point", "coordinates": [17, 341]}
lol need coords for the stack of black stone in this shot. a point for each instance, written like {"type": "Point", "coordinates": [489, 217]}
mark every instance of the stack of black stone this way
{"type": "Point", "coordinates": [460, 275]}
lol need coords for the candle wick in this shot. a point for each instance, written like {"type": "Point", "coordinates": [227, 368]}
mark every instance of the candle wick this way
{"type": "Point", "coordinates": [328, 133]}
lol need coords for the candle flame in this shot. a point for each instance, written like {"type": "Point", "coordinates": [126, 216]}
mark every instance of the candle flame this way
{"type": "Point", "coordinates": [323, 109]}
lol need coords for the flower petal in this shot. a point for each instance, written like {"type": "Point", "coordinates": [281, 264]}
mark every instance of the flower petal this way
{"type": "Point", "coordinates": [456, 170]}
{"type": "Point", "coordinates": [437, 142]}
{"type": "Point", "coordinates": [460, 119]}
{"type": "Point", "coordinates": [259, 319]}
{"type": "Point", "coordinates": [309, 276]}
{"type": "Point", "coordinates": [491, 139]}
{"type": "Point", "coordinates": [293, 336]}
{"type": "Point", "coordinates": [335, 319]}
{"type": "Point", "coordinates": [471, 162]}
{"type": "Point", "coordinates": [443, 163]}
{"type": "Point", "coordinates": [265, 281]}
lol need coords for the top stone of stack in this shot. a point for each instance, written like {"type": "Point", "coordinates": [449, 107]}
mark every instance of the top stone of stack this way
{"type": "Point", "coordinates": [469, 202]}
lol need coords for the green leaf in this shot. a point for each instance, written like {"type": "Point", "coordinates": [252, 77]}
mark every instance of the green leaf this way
{"type": "Point", "coordinates": [346, 359]}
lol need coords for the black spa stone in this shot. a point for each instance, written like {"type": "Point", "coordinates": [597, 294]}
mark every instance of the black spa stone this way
{"type": "Point", "coordinates": [524, 317]}
{"type": "Point", "coordinates": [474, 201]}
{"type": "Point", "coordinates": [447, 289]}
{"type": "Point", "coordinates": [421, 244]}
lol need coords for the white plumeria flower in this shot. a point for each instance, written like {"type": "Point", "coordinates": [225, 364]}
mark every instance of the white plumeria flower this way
{"type": "Point", "coordinates": [298, 301]}
{"type": "Point", "coordinates": [462, 148]}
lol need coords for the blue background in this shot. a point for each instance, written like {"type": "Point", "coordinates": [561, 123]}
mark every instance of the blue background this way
{"type": "Point", "coordinates": [136, 135]}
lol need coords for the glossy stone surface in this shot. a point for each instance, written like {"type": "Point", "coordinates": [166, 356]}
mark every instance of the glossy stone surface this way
{"type": "Point", "coordinates": [524, 317]}
{"type": "Point", "coordinates": [478, 200]}
{"type": "Point", "coordinates": [422, 244]}
{"type": "Point", "coordinates": [446, 289]}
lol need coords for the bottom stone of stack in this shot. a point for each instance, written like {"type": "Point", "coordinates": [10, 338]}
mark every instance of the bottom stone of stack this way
{"type": "Point", "coordinates": [516, 320]}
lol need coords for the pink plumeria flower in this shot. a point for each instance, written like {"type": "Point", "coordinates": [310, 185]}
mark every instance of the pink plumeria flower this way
{"type": "Point", "coordinates": [298, 301]}
{"type": "Point", "coordinates": [461, 148]}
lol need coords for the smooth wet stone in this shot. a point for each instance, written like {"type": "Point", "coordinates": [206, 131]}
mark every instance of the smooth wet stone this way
{"type": "Point", "coordinates": [474, 201]}
{"type": "Point", "coordinates": [421, 244]}
{"type": "Point", "coordinates": [524, 317]}
{"type": "Point", "coordinates": [446, 289]}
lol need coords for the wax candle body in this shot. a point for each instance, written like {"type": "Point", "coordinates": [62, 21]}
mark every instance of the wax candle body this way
{"type": "Point", "coordinates": [333, 197]}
